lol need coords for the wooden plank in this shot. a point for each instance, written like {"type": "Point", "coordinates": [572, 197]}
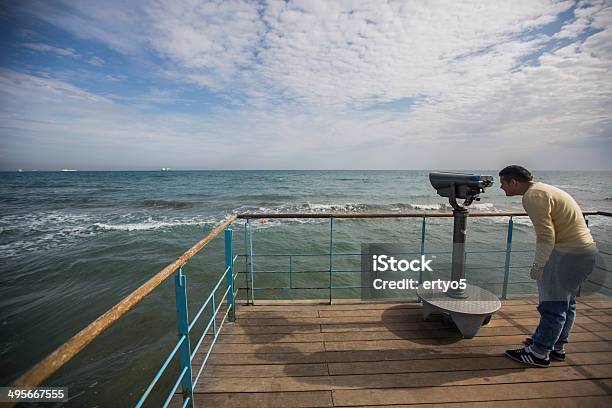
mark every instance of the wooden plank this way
{"type": "Point", "coordinates": [595, 304]}
{"type": "Point", "coordinates": [398, 311]}
{"type": "Point", "coordinates": [312, 347]}
{"type": "Point", "coordinates": [601, 318]}
{"type": "Point", "coordinates": [370, 313]}
{"type": "Point", "coordinates": [364, 310]}
{"type": "Point", "coordinates": [447, 332]}
{"type": "Point", "coordinates": [321, 320]}
{"type": "Point", "coordinates": [378, 326]}
{"type": "Point", "coordinates": [592, 327]}
{"type": "Point", "coordinates": [365, 305]}
{"type": "Point", "coordinates": [424, 343]}
{"type": "Point", "coordinates": [451, 394]}
{"type": "Point", "coordinates": [270, 338]}
{"type": "Point", "coordinates": [430, 333]}
{"type": "Point", "coordinates": [268, 399]}
{"type": "Point", "coordinates": [266, 370]}
{"type": "Point", "coordinates": [410, 380]}
{"type": "Point", "coordinates": [263, 357]}
{"type": "Point", "coordinates": [280, 314]}
{"type": "Point", "coordinates": [473, 362]}
{"type": "Point", "coordinates": [339, 303]}
{"type": "Point", "coordinates": [514, 315]}
{"type": "Point", "coordinates": [331, 320]}
{"type": "Point", "coordinates": [563, 402]}
{"type": "Point", "coordinates": [510, 308]}
{"type": "Point", "coordinates": [597, 315]}
{"type": "Point", "coordinates": [239, 329]}
{"type": "Point", "coordinates": [433, 322]}
{"type": "Point", "coordinates": [605, 335]}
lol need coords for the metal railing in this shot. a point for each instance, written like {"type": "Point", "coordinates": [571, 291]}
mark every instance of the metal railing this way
{"type": "Point", "coordinates": [183, 349]}
{"type": "Point", "coordinates": [54, 361]}
{"type": "Point", "coordinates": [250, 256]}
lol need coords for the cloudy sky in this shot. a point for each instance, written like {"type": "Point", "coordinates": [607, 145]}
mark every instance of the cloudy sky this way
{"type": "Point", "coordinates": [305, 84]}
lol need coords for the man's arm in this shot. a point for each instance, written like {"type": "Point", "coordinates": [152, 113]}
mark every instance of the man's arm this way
{"type": "Point", "coordinates": [538, 207]}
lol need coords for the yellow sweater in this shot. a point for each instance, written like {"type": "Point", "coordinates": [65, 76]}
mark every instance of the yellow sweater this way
{"type": "Point", "coordinates": [557, 220]}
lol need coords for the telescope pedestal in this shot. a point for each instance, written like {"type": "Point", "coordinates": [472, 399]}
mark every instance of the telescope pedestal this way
{"type": "Point", "coordinates": [468, 313]}
{"type": "Point", "coordinates": [469, 308]}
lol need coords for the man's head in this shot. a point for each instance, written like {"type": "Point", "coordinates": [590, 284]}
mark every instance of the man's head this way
{"type": "Point", "coordinates": [515, 180]}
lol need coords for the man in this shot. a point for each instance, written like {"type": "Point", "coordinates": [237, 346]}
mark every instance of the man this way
{"type": "Point", "coordinates": [565, 255]}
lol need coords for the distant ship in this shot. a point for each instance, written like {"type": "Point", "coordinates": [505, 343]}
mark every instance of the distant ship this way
{"type": "Point", "coordinates": [165, 169]}
{"type": "Point", "coordinates": [69, 170]}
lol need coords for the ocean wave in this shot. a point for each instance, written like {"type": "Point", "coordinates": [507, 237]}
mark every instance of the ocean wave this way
{"type": "Point", "coordinates": [43, 221]}
{"type": "Point", "coordinates": [483, 206]}
{"type": "Point", "coordinates": [59, 238]}
{"type": "Point", "coordinates": [314, 208]}
{"type": "Point", "coordinates": [25, 233]}
{"type": "Point", "coordinates": [151, 224]}
{"type": "Point", "coordinates": [167, 204]}
{"type": "Point", "coordinates": [426, 207]}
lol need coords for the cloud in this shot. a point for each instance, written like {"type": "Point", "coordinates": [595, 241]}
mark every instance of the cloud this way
{"type": "Point", "coordinates": [584, 14]}
{"type": "Point", "coordinates": [318, 84]}
{"type": "Point", "coordinates": [96, 61]}
{"type": "Point", "coordinates": [64, 52]}
{"type": "Point", "coordinates": [117, 24]}
{"type": "Point", "coordinates": [343, 54]}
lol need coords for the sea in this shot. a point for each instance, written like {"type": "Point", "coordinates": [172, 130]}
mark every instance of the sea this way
{"type": "Point", "coordinates": [73, 244]}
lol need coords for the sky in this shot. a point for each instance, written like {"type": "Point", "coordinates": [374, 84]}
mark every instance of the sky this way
{"type": "Point", "coordinates": [141, 85]}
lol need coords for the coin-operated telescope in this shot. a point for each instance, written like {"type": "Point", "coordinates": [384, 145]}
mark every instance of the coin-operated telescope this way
{"type": "Point", "coordinates": [460, 186]}
{"type": "Point", "coordinates": [468, 306]}
{"type": "Point", "coordinates": [466, 187]}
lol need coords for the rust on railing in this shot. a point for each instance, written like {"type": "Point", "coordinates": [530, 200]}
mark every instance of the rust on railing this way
{"type": "Point", "coordinates": [76, 343]}
{"type": "Point", "coordinates": [419, 214]}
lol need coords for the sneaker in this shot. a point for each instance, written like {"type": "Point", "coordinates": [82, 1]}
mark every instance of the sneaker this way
{"type": "Point", "coordinates": [525, 356]}
{"type": "Point", "coordinates": [556, 354]}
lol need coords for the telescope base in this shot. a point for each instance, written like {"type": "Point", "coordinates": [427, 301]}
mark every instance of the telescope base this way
{"type": "Point", "coordinates": [468, 314]}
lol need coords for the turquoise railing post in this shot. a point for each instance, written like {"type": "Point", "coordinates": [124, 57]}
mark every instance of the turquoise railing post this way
{"type": "Point", "coordinates": [246, 259]}
{"type": "Point", "coordinates": [331, 247]}
{"type": "Point", "coordinates": [213, 314]}
{"type": "Point", "coordinates": [251, 268]}
{"type": "Point", "coordinates": [229, 278]}
{"type": "Point", "coordinates": [290, 272]}
{"type": "Point", "coordinates": [508, 255]}
{"type": "Point", "coordinates": [423, 224]}
{"type": "Point", "coordinates": [180, 285]}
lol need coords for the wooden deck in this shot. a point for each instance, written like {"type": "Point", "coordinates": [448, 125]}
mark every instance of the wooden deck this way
{"type": "Point", "coordinates": [382, 354]}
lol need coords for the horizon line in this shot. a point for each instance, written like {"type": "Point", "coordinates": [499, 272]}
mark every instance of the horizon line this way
{"type": "Point", "coordinates": [186, 170]}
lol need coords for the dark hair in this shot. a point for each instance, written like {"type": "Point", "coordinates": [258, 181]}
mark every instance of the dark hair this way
{"type": "Point", "coordinates": [514, 172]}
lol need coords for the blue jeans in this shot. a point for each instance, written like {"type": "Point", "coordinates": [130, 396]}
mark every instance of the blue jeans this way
{"type": "Point", "coordinates": [563, 275]}
{"type": "Point", "coordinates": [556, 321]}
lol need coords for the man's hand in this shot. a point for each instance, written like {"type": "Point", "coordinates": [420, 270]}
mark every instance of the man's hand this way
{"type": "Point", "coordinates": [537, 272]}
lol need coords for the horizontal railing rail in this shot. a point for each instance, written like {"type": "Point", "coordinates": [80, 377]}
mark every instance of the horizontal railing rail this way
{"type": "Point", "coordinates": [54, 361]}
{"type": "Point", "coordinates": [185, 378]}
{"type": "Point", "coordinates": [415, 214]}
{"type": "Point", "coordinates": [250, 256]}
